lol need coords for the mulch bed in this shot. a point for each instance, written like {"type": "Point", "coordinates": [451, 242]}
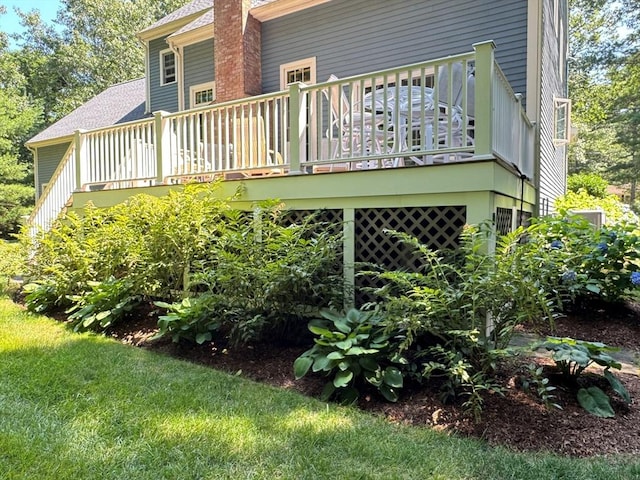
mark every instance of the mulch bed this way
{"type": "Point", "coordinates": [516, 420]}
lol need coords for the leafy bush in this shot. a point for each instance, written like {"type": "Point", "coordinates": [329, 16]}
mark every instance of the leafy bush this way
{"type": "Point", "coordinates": [103, 305]}
{"type": "Point", "coordinates": [442, 311]}
{"type": "Point", "coordinates": [12, 259]}
{"type": "Point", "coordinates": [615, 211]}
{"type": "Point", "coordinates": [270, 278]}
{"type": "Point", "coordinates": [573, 357]}
{"type": "Point", "coordinates": [266, 275]}
{"type": "Point", "coordinates": [352, 347]}
{"type": "Point", "coordinates": [592, 183]}
{"type": "Point", "coordinates": [151, 241]}
{"type": "Point", "coordinates": [575, 261]}
{"type": "Point", "coordinates": [43, 297]}
{"type": "Point", "coordinates": [192, 319]}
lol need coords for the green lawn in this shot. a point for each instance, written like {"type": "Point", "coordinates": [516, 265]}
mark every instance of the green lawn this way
{"type": "Point", "coordinates": [84, 407]}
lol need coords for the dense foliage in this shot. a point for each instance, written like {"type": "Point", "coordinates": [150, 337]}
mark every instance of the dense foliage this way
{"type": "Point", "coordinates": [254, 273]}
{"type": "Point", "coordinates": [224, 275]}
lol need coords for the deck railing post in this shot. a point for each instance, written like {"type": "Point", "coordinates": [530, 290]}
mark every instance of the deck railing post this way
{"type": "Point", "coordinates": [161, 141]}
{"type": "Point", "coordinates": [79, 141]}
{"type": "Point", "coordinates": [484, 78]}
{"type": "Point", "coordinates": [297, 127]}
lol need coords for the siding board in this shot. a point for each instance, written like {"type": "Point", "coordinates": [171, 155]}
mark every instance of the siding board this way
{"type": "Point", "coordinates": [163, 97]}
{"type": "Point", "coordinates": [198, 66]}
{"type": "Point", "coordinates": [349, 37]}
{"type": "Point", "coordinates": [553, 165]}
{"type": "Point", "coordinates": [48, 160]}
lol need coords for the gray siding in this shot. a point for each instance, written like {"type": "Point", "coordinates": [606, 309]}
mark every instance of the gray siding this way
{"type": "Point", "coordinates": [198, 66]}
{"type": "Point", "coordinates": [163, 97]}
{"type": "Point", "coordinates": [553, 159]}
{"type": "Point", "coordinates": [349, 37]}
{"type": "Point", "coordinates": [48, 160]}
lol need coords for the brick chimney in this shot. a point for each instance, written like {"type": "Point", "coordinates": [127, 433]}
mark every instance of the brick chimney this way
{"type": "Point", "coordinates": [237, 50]}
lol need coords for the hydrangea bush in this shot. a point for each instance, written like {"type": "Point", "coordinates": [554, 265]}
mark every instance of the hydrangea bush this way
{"type": "Point", "coordinates": [578, 261]}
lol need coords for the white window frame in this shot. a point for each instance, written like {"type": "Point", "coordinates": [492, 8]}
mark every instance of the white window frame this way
{"type": "Point", "coordinates": [298, 64]}
{"type": "Point", "coordinates": [163, 54]}
{"type": "Point", "coordinates": [561, 111]}
{"type": "Point", "coordinates": [195, 89]}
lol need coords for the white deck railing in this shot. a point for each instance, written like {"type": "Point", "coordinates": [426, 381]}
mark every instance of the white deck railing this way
{"type": "Point", "coordinates": [454, 109]}
{"type": "Point", "coordinates": [120, 156]}
{"type": "Point", "coordinates": [56, 195]}
{"type": "Point", "coordinates": [244, 136]}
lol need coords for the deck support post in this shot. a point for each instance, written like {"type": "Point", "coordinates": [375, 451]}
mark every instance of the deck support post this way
{"type": "Point", "coordinates": [349, 256]}
{"type": "Point", "coordinates": [297, 128]}
{"type": "Point", "coordinates": [162, 143]}
{"type": "Point", "coordinates": [79, 141]}
{"type": "Point", "coordinates": [484, 78]}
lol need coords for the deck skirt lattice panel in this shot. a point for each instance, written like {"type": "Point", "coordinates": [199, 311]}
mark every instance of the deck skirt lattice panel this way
{"type": "Point", "coordinates": [437, 227]}
{"type": "Point", "coordinates": [503, 220]}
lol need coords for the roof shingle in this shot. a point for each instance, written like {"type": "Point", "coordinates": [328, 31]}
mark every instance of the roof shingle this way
{"type": "Point", "coordinates": [120, 103]}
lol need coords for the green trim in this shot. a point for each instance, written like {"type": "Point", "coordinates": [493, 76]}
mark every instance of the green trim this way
{"type": "Point", "coordinates": [450, 184]}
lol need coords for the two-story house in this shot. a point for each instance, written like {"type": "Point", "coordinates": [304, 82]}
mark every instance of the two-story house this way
{"type": "Point", "coordinates": [416, 115]}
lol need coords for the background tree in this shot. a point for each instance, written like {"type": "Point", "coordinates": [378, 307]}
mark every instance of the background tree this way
{"type": "Point", "coordinates": [95, 47]}
{"type": "Point", "coordinates": [18, 117]}
{"type": "Point", "coordinates": [48, 72]}
{"type": "Point", "coordinates": [604, 85]}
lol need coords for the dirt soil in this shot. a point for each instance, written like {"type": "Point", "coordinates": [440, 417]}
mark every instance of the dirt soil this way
{"type": "Point", "coordinates": [516, 420]}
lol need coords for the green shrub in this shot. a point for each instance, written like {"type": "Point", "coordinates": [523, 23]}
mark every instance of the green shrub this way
{"type": "Point", "coordinates": [573, 357]}
{"type": "Point", "coordinates": [575, 261]}
{"type": "Point", "coordinates": [352, 348]}
{"type": "Point", "coordinates": [442, 311]}
{"type": "Point", "coordinates": [592, 183]}
{"type": "Point", "coordinates": [103, 305]}
{"type": "Point", "coordinates": [12, 259]}
{"type": "Point", "coordinates": [151, 241]}
{"type": "Point", "coordinates": [615, 211]}
{"type": "Point", "coordinates": [270, 277]}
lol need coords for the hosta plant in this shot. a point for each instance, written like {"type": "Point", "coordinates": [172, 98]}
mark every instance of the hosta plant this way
{"type": "Point", "coordinates": [573, 357]}
{"type": "Point", "coordinates": [352, 348]}
{"type": "Point", "coordinates": [103, 305]}
{"type": "Point", "coordinates": [192, 319]}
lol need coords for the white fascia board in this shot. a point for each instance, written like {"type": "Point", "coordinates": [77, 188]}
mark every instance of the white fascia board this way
{"type": "Point", "coordinates": [198, 35]}
{"type": "Point", "coordinates": [282, 8]}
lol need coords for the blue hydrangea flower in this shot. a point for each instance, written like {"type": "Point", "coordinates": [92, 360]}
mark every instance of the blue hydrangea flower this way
{"type": "Point", "coordinates": [635, 278]}
{"type": "Point", "coordinates": [569, 276]}
{"type": "Point", "coordinates": [603, 247]}
{"type": "Point", "coordinates": [556, 244]}
{"type": "Point", "coordinates": [613, 236]}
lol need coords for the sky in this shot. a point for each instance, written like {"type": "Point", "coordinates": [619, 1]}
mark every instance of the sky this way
{"type": "Point", "coordinates": [10, 22]}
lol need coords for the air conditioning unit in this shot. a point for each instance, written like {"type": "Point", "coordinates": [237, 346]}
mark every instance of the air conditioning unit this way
{"type": "Point", "coordinates": [596, 217]}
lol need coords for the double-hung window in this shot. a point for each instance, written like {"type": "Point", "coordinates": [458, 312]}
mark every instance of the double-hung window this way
{"type": "Point", "coordinates": [167, 67]}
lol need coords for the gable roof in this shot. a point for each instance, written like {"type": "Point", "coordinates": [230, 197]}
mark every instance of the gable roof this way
{"type": "Point", "coordinates": [189, 11]}
{"type": "Point", "coordinates": [191, 8]}
{"type": "Point", "coordinates": [120, 103]}
{"type": "Point", "coordinates": [204, 20]}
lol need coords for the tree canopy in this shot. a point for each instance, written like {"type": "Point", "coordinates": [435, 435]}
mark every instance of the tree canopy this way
{"type": "Point", "coordinates": [604, 85]}
{"type": "Point", "coordinates": [51, 69]}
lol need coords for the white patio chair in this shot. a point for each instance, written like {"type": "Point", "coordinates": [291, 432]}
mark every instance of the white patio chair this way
{"type": "Point", "coordinates": [358, 132]}
{"type": "Point", "coordinates": [437, 125]}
